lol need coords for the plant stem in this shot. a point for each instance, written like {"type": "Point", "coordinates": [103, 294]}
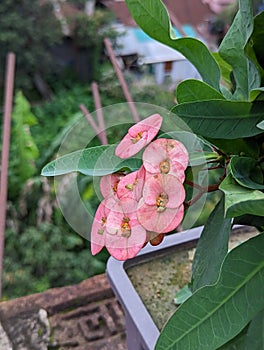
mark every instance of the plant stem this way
{"type": "Point", "coordinates": [202, 190]}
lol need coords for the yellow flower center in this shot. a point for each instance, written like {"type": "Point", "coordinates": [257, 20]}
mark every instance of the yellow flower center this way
{"type": "Point", "coordinates": [164, 166]}
{"type": "Point", "coordinates": [115, 186]}
{"type": "Point", "coordinates": [137, 137]}
{"type": "Point", "coordinates": [130, 187]}
{"type": "Point", "coordinates": [125, 227]}
{"type": "Point", "coordinates": [103, 222]}
{"type": "Point", "coordinates": [161, 202]}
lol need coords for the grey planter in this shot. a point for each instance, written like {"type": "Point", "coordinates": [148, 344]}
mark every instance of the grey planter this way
{"type": "Point", "coordinates": [141, 331]}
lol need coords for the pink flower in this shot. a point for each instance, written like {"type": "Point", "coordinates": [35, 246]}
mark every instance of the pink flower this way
{"type": "Point", "coordinates": [166, 156]}
{"type": "Point", "coordinates": [131, 185]}
{"type": "Point", "coordinates": [161, 208]}
{"type": "Point", "coordinates": [138, 136]}
{"type": "Point", "coordinates": [109, 183]}
{"type": "Point", "coordinates": [125, 236]}
{"type": "Point", "coordinates": [98, 231]}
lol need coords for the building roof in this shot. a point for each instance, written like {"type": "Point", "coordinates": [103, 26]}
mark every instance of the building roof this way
{"type": "Point", "coordinates": [190, 12]}
{"type": "Point", "coordinates": [119, 8]}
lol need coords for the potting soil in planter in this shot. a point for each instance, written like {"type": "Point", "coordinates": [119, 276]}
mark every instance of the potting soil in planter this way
{"type": "Point", "coordinates": [158, 279]}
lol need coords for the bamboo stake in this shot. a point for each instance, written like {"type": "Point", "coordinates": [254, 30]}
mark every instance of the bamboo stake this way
{"type": "Point", "coordinates": [9, 90]}
{"type": "Point", "coordinates": [92, 123]}
{"type": "Point", "coordinates": [121, 79]}
{"type": "Point", "coordinates": [99, 113]}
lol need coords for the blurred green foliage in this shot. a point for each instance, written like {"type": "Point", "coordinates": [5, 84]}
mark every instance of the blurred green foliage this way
{"type": "Point", "coordinates": [23, 150]}
{"type": "Point", "coordinates": [47, 256]}
{"type": "Point", "coordinates": [29, 30]}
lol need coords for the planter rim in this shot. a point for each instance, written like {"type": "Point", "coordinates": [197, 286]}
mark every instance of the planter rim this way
{"type": "Point", "coordinates": [125, 291]}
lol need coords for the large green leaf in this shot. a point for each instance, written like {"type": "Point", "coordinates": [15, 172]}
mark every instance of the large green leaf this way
{"type": "Point", "coordinates": [195, 90]}
{"type": "Point", "coordinates": [232, 50]}
{"type": "Point", "coordinates": [94, 161]}
{"type": "Point", "coordinates": [247, 146]}
{"type": "Point", "coordinates": [250, 220]}
{"type": "Point", "coordinates": [247, 172]}
{"type": "Point", "coordinates": [153, 18]}
{"type": "Point", "coordinates": [237, 343]}
{"type": "Point", "coordinates": [257, 41]}
{"type": "Point", "coordinates": [211, 249]}
{"type": "Point", "coordinates": [215, 314]}
{"type": "Point", "coordinates": [251, 338]}
{"type": "Point", "coordinates": [222, 119]}
{"type": "Point", "coordinates": [255, 334]}
{"type": "Point", "coordinates": [240, 200]}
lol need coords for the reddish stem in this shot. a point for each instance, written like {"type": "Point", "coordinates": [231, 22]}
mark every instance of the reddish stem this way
{"type": "Point", "coordinates": [202, 190]}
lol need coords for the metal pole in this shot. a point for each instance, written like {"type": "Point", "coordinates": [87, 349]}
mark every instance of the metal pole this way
{"type": "Point", "coordinates": [8, 102]}
{"type": "Point", "coordinates": [121, 79]}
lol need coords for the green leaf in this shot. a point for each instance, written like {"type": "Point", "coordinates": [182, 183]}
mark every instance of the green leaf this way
{"type": "Point", "coordinates": [240, 200]}
{"type": "Point", "coordinates": [182, 295]}
{"type": "Point", "coordinates": [255, 334]}
{"type": "Point", "coordinates": [195, 90]}
{"type": "Point", "coordinates": [237, 343]}
{"type": "Point", "coordinates": [257, 41]}
{"type": "Point", "coordinates": [211, 249]}
{"type": "Point", "coordinates": [221, 119]}
{"type": "Point", "coordinates": [257, 94]}
{"type": "Point", "coordinates": [246, 147]}
{"type": "Point", "coordinates": [215, 314]}
{"type": "Point", "coordinates": [153, 18]}
{"type": "Point", "coordinates": [251, 338]}
{"type": "Point", "coordinates": [232, 51]}
{"type": "Point", "coordinates": [226, 70]}
{"type": "Point", "coordinates": [261, 125]}
{"type": "Point", "coordinates": [250, 220]}
{"type": "Point", "coordinates": [247, 172]}
{"type": "Point", "coordinates": [94, 161]}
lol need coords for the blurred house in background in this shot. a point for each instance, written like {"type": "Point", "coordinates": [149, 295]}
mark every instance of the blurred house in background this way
{"type": "Point", "coordinates": [218, 6]}
{"type": "Point", "coordinates": [137, 50]}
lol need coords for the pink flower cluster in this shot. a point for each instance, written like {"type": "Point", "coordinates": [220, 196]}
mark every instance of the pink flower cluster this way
{"type": "Point", "coordinates": [143, 205]}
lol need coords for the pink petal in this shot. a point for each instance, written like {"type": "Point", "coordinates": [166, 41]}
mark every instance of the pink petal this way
{"type": "Point", "coordinates": [126, 148]}
{"type": "Point", "coordinates": [166, 151]}
{"type": "Point", "coordinates": [151, 124]}
{"type": "Point", "coordinates": [124, 245]}
{"type": "Point", "coordinates": [99, 229]}
{"type": "Point", "coordinates": [118, 209]}
{"type": "Point", "coordinates": [109, 183]}
{"type": "Point", "coordinates": [168, 184]}
{"type": "Point", "coordinates": [160, 222]}
{"type": "Point", "coordinates": [131, 185]}
{"type": "Point", "coordinates": [126, 248]}
{"type": "Point", "coordinates": [138, 136]}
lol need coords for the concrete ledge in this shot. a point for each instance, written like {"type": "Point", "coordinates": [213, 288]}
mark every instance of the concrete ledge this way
{"type": "Point", "coordinates": [80, 317]}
